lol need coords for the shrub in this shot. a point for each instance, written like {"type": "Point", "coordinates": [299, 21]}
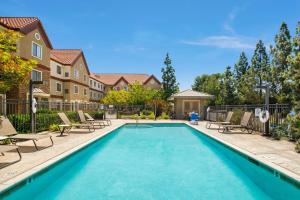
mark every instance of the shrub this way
{"type": "Point", "coordinates": [278, 131]}
{"type": "Point", "coordinates": [237, 116]}
{"type": "Point", "coordinates": [164, 116]}
{"type": "Point", "coordinates": [297, 147]}
{"type": "Point", "coordinates": [146, 112]}
{"type": "Point", "coordinates": [54, 127]}
{"type": "Point", "coordinates": [142, 116]}
{"type": "Point", "coordinates": [97, 114]}
{"type": "Point", "coordinates": [73, 116]}
{"type": "Point", "coordinates": [151, 116]}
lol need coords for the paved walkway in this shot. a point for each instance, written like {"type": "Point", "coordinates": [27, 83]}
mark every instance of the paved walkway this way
{"type": "Point", "coordinates": [278, 154]}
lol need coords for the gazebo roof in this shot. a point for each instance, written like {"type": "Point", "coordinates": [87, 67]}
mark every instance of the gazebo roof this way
{"type": "Point", "coordinates": [191, 94]}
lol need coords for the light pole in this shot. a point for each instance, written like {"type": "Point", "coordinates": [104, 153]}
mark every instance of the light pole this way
{"type": "Point", "coordinates": [266, 87]}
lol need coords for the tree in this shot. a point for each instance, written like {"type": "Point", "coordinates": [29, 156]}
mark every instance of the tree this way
{"type": "Point", "coordinates": [114, 97]}
{"type": "Point", "coordinates": [210, 84]}
{"type": "Point", "coordinates": [294, 61]}
{"type": "Point", "coordinates": [280, 65]}
{"type": "Point", "coordinates": [13, 69]}
{"type": "Point", "coordinates": [241, 67]}
{"type": "Point", "coordinates": [240, 71]}
{"type": "Point", "coordinates": [139, 95]}
{"type": "Point", "coordinates": [169, 83]}
{"type": "Point", "coordinates": [261, 66]}
{"type": "Point", "coordinates": [228, 91]}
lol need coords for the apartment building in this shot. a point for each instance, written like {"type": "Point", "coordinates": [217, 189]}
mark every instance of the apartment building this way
{"type": "Point", "coordinates": [36, 45]}
{"type": "Point", "coordinates": [69, 81]}
{"type": "Point", "coordinates": [64, 72]}
{"type": "Point", "coordinates": [119, 81]}
{"type": "Point", "coordinates": [97, 89]}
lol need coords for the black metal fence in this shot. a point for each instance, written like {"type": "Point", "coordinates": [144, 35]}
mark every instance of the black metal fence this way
{"type": "Point", "coordinates": [18, 112]}
{"type": "Point", "coordinates": [278, 113]}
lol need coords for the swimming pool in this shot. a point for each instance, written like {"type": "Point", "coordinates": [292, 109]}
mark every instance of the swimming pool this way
{"type": "Point", "coordinates": [156, 161]}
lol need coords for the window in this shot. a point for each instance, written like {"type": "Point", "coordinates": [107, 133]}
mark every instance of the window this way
{"type": "Point", "coordinates": [125, 88]}
{"type": "Point", "coordinates": [76, 73]}
{"type": "Point", "coordinates": [36, 75]}
{"type": "Point", "coordinates": [91, 82]}
{"type": "Point", "coordinates": [76, 90]}
{"type": "Point", "coordinates": [66, 91]}
{"type": "Point", "coordinates": [58, 87]}
{"type": "Point", "coordinates": [84, 78]}
{"type": "Point", "coordinates": [98, 85]}
{"type": "Point", "coordinates": [91, 94]}
{"type": "Point", "coordinates": [85, 91]}
{"type": "Point", "coordinates": [66, 74]}
{"type": "Point", "coordinates": [36, 50]}
{"type": "Point", "coordinates": [99, 95]}
{"type": "Point", "coordinates": [95, 95]}
{"type": "Point", "coordinates": [94, 83]}
{"type": "Point", "coordinates": [58, 69]}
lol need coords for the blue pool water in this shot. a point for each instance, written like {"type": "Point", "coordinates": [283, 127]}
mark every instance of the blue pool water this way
{"type": "Point", "coordinates": [155, 161]}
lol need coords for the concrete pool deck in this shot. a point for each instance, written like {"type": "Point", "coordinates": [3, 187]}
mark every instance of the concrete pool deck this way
{"type": "Point", "coordinates": [278, 154]}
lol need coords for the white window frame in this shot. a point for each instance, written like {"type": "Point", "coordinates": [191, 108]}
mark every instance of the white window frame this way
{"type": "Point", "coordinates": [39, 72]}
{"type": "Point", "coordinates": [61, 72]}
{"type": "Point", "coordinates": [76, 74]}
{"type": "Point", "coordinates": [41, 50]}
{"type": "Point", "coordinates": [60, 87]}
{"type": "Point", "coordinates": [77, 89]}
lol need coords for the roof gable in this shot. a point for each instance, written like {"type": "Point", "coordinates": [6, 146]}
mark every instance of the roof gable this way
{"type": "Point", "coordinates": [68, 56]}
{"type": "Point", "coordinates": [25, 25]}
{"type": "Point", "coordinates": [114, 78]}
{"type": "Point", "coordinates": [191, 94]}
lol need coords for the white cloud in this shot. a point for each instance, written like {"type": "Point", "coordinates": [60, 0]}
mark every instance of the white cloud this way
{"type": "Point", "coordinates": [229, 42]}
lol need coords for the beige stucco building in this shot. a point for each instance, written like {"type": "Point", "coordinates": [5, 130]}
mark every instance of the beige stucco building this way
{"type": "Point", "coordinates": [36, 45]}
{"type": "Point", "coordinates": [189, 101]}
{"type": "Point", "coordinates": [97, 89]}
{"type": "Point", "coordinates": [69, 80]}
{"type": "Point", "coordinates": [119, 81]}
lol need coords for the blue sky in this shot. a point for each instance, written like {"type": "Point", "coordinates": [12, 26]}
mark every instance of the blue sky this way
{"type": "Point", "coordinates": [133, 36]}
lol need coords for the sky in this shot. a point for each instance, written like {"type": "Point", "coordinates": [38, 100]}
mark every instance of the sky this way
{"type": "Point", "coordinates": [133, 36]}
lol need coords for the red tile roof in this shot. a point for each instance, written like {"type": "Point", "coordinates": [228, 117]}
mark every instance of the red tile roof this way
{"type": "Point", "coordinates": [112, 79]}
{"type": "Point", "coordinates": [24, 25]}
{"type": "Point", "coordinates": [67, 56]}
{"type": "Point", "coordinates": [17, 22]}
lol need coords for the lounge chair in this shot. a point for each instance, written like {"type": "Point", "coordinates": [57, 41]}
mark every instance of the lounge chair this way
{"type": "Point", "coordinates": [244, 125]}
{"type": "Point", "coordinates": [6, 148]}
{"type": "Point", "coordinates": [95, 123]}
{"type": "Point", "coordinates": [68, 125]}
{"type": "Point", "coordinates": [9, 132]}
{"type": "Point", "coordinates": [226, 122]}
{"type": "Point", "coordinates": [90, 118]}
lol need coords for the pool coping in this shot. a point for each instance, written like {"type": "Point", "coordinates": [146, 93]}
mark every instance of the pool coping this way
{"type": "Point", "coordinates": [36, 170]}
{"type": "Point", "coordinates": [24, 177]}
{"type": "Point", "coordinates": [278, 171]}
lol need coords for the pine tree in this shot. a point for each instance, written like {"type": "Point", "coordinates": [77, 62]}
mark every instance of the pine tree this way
{"type": "Point", "coordinates": [261, 66]}
{"type": "Point", "coordinates": [294, 60]}
{"type": "Point", "coordinates": [240, 70]}
{"type": "Point", "coordinates": [280, 66]}
{"type": "Point", "coordinates": [228, 87]}
{"type": "Point", "coordinates": [170, 85]}
{"type": "Point", "coordinates": [241, 67]}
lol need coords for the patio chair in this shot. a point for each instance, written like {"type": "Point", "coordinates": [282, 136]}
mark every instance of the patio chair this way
{"type": "Point", "coordinates": [226, 122]}
{"type": "Point", "coordinates": [84, 120]}
{"type": "Point", "coordinates": [68, 125]}
{"type": "Point", "coordinates": [244, 124]}
{"type": "Point", "coordinates": [90, 118]}
{"type": "Point", "coordinates": [9, 132]}
{"type": "Point", "coordinates": [6, 148]}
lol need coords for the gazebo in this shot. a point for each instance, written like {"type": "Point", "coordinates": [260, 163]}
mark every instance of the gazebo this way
{"type": "Point", "coordinates": [189, 101]}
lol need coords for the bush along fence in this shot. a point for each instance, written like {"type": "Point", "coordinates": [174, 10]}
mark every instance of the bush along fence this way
{"type": "Point", "coordinates": [46, 116]}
